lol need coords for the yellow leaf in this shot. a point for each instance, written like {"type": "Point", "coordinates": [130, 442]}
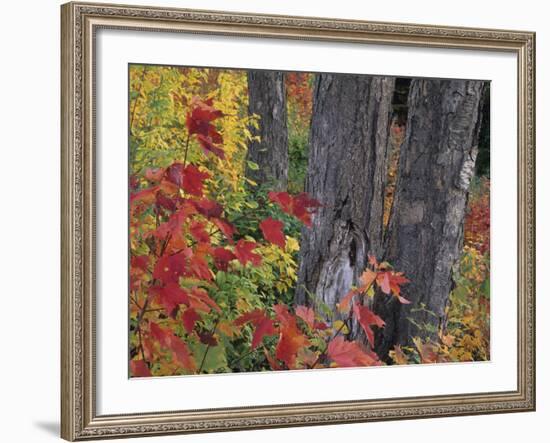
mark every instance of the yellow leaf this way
{"type": "Point", "coordinates": [339, 325]}
{"type": "Point", "coordinates": [398, 356]}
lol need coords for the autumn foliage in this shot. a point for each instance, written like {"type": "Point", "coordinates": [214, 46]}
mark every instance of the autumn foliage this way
{"type": "Point", "coordinates": [213, 260]}
{"type": "Point", "coordinates": [181, 240]}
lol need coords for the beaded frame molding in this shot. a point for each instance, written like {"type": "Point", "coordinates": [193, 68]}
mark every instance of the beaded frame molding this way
{"type": "Point", "coordinates": [80, 21]}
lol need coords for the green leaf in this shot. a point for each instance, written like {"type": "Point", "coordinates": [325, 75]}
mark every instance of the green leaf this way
{"type": "Point", "coordinates": [253, 166]}
{"type": "Point", "coordinates": [215, 360]}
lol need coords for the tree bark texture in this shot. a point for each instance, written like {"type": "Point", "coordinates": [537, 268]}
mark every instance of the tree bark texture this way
{"type": "Point", "coordinates": [346, 173]}
{"type": "Point", "coordinates": [425, 233]}
{"type": "Point", "coordinates": [267, 99]}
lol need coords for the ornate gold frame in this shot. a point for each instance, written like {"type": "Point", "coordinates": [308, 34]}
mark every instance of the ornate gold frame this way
{"type": "Point", "coordinates": [79, 420]}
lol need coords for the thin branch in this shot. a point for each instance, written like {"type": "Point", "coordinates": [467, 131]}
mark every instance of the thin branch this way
{"type": "Point", "coordinates": [134, 301]}
{"type": "Point", "coordinates": [141, 347]}
{"type": "Point", "coordinates": [137, 99]}
{"type": "Point", "coordinates": [337, 332]}
{"type": "Point", "coordinates": [186, 150]}
{"type": "Point", "coordinates": [244, 356]}
{"type": "Point", "coordinates": [208, 346]}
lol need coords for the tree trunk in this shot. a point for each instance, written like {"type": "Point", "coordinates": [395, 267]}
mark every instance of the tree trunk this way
{"type": "Point", "coordinates": [425, 234]}
{"type": "Point", "coordinates": [346, 174]}
{"type": "Point", "coordinates": [267, 99]}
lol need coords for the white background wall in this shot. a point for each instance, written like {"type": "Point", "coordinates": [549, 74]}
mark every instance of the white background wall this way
{"type": "Point", "coordinates": [29, 221]}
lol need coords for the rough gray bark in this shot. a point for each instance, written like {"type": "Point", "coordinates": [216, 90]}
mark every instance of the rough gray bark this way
{"type": "Point", "coordinates": [267, 98]}
{"type": "Point", "coordinates": [425, 233]}
{"type": "Point", "coordinates": [347, 174]}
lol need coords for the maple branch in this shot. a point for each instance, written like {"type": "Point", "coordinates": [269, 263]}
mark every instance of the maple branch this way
{"type": "Point", "coordinates": [335, 334]}
{"type": "Point", "coordinates": [139, 319]}
{"type": "Point", "coordinates": [143, 311]}
{"type": "Point", "coordinates": [137, 98]}
{"type": "Point", "coordinates": [186, 149]}
{"type": "Point", "coordinates": [208, 346]}
{"type": "Point", "coordinates": [154, 310]}
{"type": "Point", "coordinates": [134, 301]}
{"type": "Point", "coordinates": [165, 244]}
{"type": "Point", "coordinates": [243, 356]}
{"type": "Point", "coordinates": [141, 346]}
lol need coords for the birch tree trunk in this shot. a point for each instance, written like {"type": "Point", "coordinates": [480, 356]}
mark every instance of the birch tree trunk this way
{"type": "Point", "coordinates": [347, 174]}
{"type": "Point", "coordinates": [267, 99]}
{"type": "Point", "coordinates": [425, 233]}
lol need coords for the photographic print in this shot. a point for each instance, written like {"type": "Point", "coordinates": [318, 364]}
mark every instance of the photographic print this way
{"type": "Point", "coordinates": [234, 211]}
{"type": "Point", "coordinates": [296, 220]}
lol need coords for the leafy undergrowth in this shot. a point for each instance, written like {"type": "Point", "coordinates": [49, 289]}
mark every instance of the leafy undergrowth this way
{"type": "Point", "coordinates": [201, 291]}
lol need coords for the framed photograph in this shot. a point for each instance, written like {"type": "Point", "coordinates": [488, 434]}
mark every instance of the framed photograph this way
{"type": "Point", "coordinates": [282, 221]}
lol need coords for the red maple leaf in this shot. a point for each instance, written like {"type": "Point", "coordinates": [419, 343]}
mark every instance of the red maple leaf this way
{"type": "Point", "coordinates": [207, 338]}
{"type": "Point", "coordinates": [290, 342]}
{"type": "Point", "coordinates": [139, 262]}
{"type": "Point", "coordinates": [167, 339]}
{"type": "Point", "coordinates": [207, 145]}
{"type": "Point", "coordinates": [224, 226]}
{"type": "Point", "coordinates": [396, 280]}
{"type": "Point", "coordinates": [189, 318]}
{"type": "Point", "coordinates": [159, 334]}
{"type": "Point", "coordinates": [263, 325]}
{"type": "Point", "coordinates": [133, 182]}
{"type": "Point", "coordinates": [198, 231]}
{"type": "Point", "coordinates": [208, 208]}
{"type": "Point", "coordinates": [170, 267]}
{"type": "Point", "coordinates": [366, 280]}
{"type": "Point", "coordinates": [154, 175]}
{"type": "Point", "coordinates": [366, 319]}
{"type": "Point", "coordinates": [383, 280]}
{"type": "Point", "coordinates": [201, 301]}
{"type": "Point", "coordinates": [283, 199]}
{"type": "Point", "coordinates": [170, 296]}
{"type": "Point", "coordinates": [143, 197]}
{"type": "Point", "coordinates": [201, 115]}
{"type": "Point", "coordinates": [272, 231]}
{"type": "Point", "coordinates": [273, 363]}
{"type": "Point", "coordinates": [198, 267]}
{"type": "Point", "coordinates": [222, 257]}
{"type": "Point", "coordinates": [182, 354]}
{"type": "Point", "coordinates": [174, 174]}
{"type": "Point", "coordinates": [243, 251]}
{"type": "Point", "coordinates": [344, 304]}
{"type": "Point", "coordinates": [164, 201]}
{"type": "Point", "coordinates": [139, 368]}
{"type": "Point", "coordinates": [284, 317]}
{"type": "Point", "coordinates": [373, 262]}
{"type": "Point", "coordinates": [291, 339]}
{"type": "Point", "coordinates": [172, 229]}
{"type": "Point", "coordinates": [350, 354]}
{"type": "Point", "coordinates": [189, 178]}
{"type": "Point", "coordinates": [199, 121]}
{"type": "Point", "coordinates": [307, 315]}
{"type": "Point", "coordinates": [301, 206]}
{"type": "Point", "coordinates": [193, 180]}
{"type": "Point", "coordinates": [390, 282]}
